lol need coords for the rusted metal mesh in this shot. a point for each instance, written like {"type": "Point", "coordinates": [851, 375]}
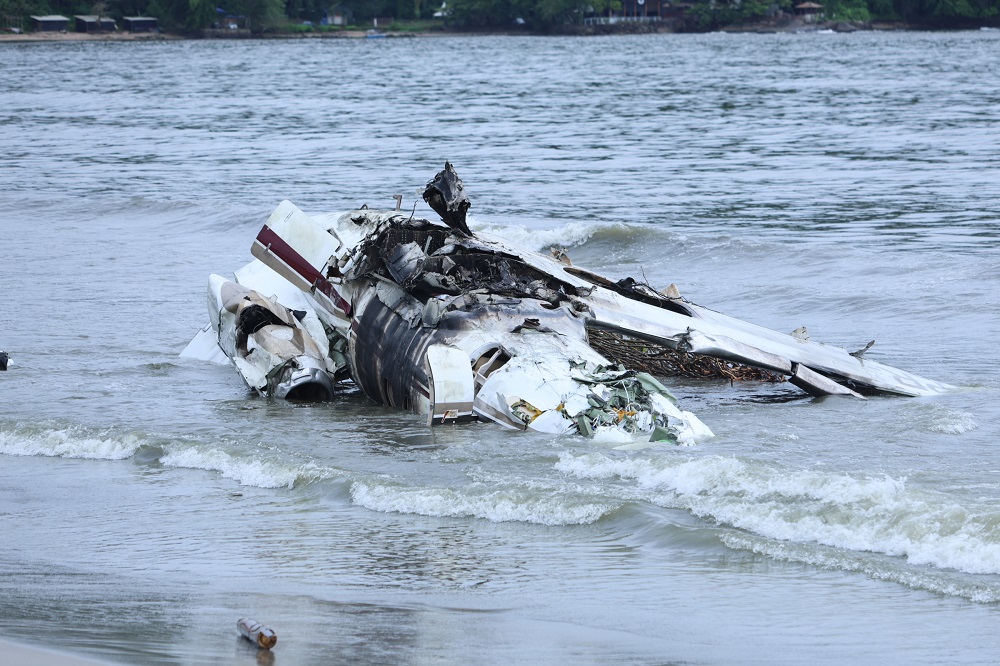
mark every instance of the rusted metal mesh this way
{"type": "Point", "coordinates": [665, 362]}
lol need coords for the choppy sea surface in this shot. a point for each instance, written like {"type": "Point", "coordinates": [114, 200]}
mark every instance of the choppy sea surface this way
{"type": "Point", "coordinates": [849, 183]}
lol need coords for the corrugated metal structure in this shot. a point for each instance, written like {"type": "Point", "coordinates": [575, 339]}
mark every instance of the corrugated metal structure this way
{"type": "Point", "coordinates": [140, 23]}
{"type": "Point", "coordinates": [91, 23]}
{"type": "Point", "coordinates": [49, 23]}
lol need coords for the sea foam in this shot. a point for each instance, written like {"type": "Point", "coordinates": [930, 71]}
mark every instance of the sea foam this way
{"type": "Point", "coordinates": [254, 468]}
{"type": "Point", "coordinates": [951, 583]}
{"type": "Point", "coordinates": [247, 470]}
{"type": "Point", "coordinates": [876, 513]}
{"type": "Point", "coordinates": [566, 235]}
{"type": "Point", "coordinates": [951, 422]}
{"type": "Point", "coordinates": [69, 443]}
{"type": "Point", "coordinates": [480, 501]}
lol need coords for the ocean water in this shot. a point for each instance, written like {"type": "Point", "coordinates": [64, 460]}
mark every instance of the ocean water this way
{"type": "Point", "coordinates": [849, 183]}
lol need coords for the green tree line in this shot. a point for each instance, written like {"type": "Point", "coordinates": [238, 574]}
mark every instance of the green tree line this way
{"type": "Point", "coordinates": [918, 13]}
{"type": "Point", "coordinates": [528, 15]}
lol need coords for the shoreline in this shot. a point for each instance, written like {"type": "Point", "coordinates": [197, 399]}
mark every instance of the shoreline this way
{"type": "Point", "coordinates": [20, 654]}
{"type": "Point", "coordinates": [792, 27]}
{"type": "Point", "coordinates": [128, 37]}
{"type": "Point", "coordinates": [87, 37]}
{"type": "Point", "coordinates": [162, 36]}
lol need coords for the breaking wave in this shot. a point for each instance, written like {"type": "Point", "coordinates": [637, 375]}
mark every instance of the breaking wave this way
{"type": "Point", "coordinates": [635, 247]}
{"type": "Point", "coordinates": [949, 421]}
{"type": "Point", "coordinates": [246, 471]}
{"type": "Point", "coordinates": [951, 583]}
{"type": "Point", "coordinates": [873, 514]}
{"type": "Point", "coordinates": [567, 235]}
{"type": "Point", "coordinates": [483, 501]}
{"type": "Point", "coordinates": [260, 469]}
{"type": "Point", "coordinates": [69, 443]}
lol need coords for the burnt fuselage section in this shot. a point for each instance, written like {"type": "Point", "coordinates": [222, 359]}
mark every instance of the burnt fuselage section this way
{"type": "Point", "coordinates": [417, 284]}
{"type": "Point", "coordinates": [429, 317]}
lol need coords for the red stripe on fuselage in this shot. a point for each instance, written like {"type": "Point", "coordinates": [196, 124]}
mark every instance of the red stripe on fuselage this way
{"type": "Point", "coordinates": [282, 250]}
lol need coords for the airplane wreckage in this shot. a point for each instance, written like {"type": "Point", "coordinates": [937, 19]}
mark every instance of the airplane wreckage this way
{"type": "Point", "coordinates": [429, 317]}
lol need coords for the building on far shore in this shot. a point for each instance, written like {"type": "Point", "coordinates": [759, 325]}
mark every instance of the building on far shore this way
{"type": "Point", "coordinates": [668, 13]}
{"type": "Point", "coordinates": [809, 11]}
{"type": "Point", "coordinates": [140, 23]}
{"type": "Point", "coordinates": [50, 23]}
{"type": "Point", "coordinates": [90, 23]}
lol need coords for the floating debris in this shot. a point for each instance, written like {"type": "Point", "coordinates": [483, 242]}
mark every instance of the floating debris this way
{"type": "Point", "coordinates": [256, 633]}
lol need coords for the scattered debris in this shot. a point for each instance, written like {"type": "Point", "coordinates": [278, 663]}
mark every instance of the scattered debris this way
{"type": "Point", "coordinates": [861, 352]}
{"type": "Point", "coordinates": [671, 292]}
{"type": "Point", "coordinates": [560, 255]}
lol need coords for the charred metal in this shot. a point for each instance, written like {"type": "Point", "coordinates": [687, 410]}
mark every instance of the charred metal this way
{"type": "Point", "coordinates": [428, 317]}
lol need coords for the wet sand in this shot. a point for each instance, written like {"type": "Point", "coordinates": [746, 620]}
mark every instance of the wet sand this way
{"type": "Point", "coordinates": [18, 654]}
{"type": "Point", "coordinates": [85, 37]}
{"type": "Point", "coordinates": [146, 36]}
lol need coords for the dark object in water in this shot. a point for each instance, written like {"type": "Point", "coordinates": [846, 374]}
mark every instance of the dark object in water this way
{"type": "Point", "coordinates": [4, 358]}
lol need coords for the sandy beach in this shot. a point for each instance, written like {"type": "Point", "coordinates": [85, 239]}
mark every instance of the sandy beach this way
{"type": "Point", "coordinates": [85, 37]}
{"type": "Point", "coordinates": [18, 654]}
{"type": "Point", "coordinates": [147, 37]}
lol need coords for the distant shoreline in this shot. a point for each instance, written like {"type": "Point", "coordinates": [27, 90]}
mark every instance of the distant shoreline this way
{"type": "Point", "coordinates": [791, 27]}
{"type": "Point", "coordinates": [87, 37]}
{"type": "Point", "coordinates": [163, 36]}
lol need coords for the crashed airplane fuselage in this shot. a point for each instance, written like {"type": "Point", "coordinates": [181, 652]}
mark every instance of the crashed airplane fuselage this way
{"type": "Point", "coordinates": [432, 318]}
